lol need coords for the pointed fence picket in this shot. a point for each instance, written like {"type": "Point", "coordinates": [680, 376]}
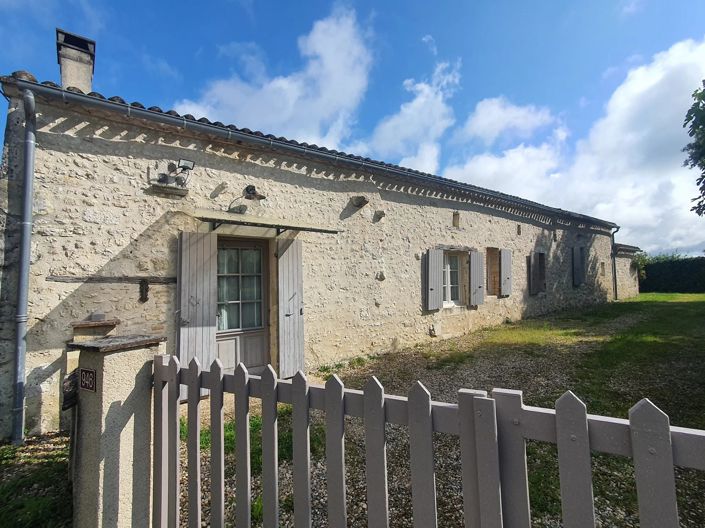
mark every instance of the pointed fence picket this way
{"type": "Point", "coordinates": [217, 446]}
{"type": "Point", "coordinates": [194, 444]}
{"type": "Point", "coordinates": [492, 434]}
{"type": "Point", "coordinates": [574, 462]}
{"type": "Point", "coordinates": [375, 455]}
{"type": "Point", "coordinates": [243, 490]}
{"type": "Point", "coordinates": [335, 452]}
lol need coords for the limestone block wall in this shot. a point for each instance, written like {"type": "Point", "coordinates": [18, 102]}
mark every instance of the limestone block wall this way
{"type": "Point", "coordinates": [95, 215]}
{"type": "Point", "coordinates": [627, 276]}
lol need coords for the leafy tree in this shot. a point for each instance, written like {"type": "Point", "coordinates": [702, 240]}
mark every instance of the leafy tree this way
{"type": "Point", "coordinates": [641, 259]}
{"type": "Point", "coordinates": [695, 122]}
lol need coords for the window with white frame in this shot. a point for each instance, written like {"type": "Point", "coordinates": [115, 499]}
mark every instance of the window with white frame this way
{"type": "Point", "coordinates": [451, 279]}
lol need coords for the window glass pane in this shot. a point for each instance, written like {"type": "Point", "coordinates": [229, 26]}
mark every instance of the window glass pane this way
{"type": "Point", "coordinates": [454, 293]}
{"type": "Point", "coordinates": [228, 289]}
{"type": "Point", "coordinates": [228, 316]}
{"type": "Point", "coordinates": [453, 262]}
{"type": "Point", "coordinates": [227, 260]}
{"type": "Point", "coordinates": [252, 288]}
{"type": "Point", "coordinates": [454, 278]}
{"type": "Point", "coordinates": [251, 314]}
{"type": "Point", "coordinates": [251, 261]}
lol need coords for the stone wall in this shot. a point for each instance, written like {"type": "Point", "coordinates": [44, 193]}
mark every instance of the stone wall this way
{"type": "Point", "coordinates": [627, 276]}
{"type": "Point", "coordinates": [95, 215]}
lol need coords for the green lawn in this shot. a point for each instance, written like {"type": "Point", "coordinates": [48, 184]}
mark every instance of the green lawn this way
{"type": "Point", "coordinates": [611, 356]}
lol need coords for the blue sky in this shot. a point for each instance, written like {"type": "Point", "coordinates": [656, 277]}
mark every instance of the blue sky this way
{"type": "Point", "coordinates": [574, 104]}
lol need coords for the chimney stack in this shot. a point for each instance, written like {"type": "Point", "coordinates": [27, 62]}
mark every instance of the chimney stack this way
{"type": "Point", "coordinates": [76, 56]}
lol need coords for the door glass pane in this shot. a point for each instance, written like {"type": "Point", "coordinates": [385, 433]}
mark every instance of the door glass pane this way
{"type": "Point", "coordinates": [251, 314]}
{"type": "Point", "coordinates": [228, 289]}
{"type": "Point", "coordinates": [251, 261]}
{"type": "Point", "coordinates": [228, 316]}
{"type": "Point", "coordinates": [251, 288]}
{"type": "Point", "coordinates": [227, 260]}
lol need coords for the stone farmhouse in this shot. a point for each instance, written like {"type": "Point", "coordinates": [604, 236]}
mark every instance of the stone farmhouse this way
{"type": "Point", "coordinates": [120, 219]}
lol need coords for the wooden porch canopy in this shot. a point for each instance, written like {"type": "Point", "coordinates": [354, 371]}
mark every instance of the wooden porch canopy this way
{"type": "Point", "coordinates": [218, 218]}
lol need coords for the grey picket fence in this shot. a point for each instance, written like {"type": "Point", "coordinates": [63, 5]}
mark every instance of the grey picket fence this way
{"type": "Point", "coordinates": [492, 432]}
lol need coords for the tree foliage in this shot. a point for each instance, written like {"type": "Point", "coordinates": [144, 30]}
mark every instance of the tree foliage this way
{"type": "Point", "coordinates": [695, 123]}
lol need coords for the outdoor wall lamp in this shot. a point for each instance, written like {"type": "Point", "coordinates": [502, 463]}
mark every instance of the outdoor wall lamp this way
{"type": "Point", "coordinates": [252, 194]}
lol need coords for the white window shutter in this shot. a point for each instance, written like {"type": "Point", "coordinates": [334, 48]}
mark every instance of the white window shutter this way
{"type": "Point", "coordinates": [434, 279]}
{"type": "Point", "coordinates": [197, 297]}
{"type": "Point", "coordinates": [291, 307]}
{"type": "Point", "coordinates": [505, 270]}
{"type": "Point", "coordinates": [477, 278]}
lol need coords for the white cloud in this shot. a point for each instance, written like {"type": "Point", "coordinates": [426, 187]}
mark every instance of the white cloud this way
{"type": "Point", "coordinates": [94, 17]}
{"type": "Point", "coordinates": [251, 57]}
{"type": "Point", "coordinates": [413, 132]}
{"type": "Point", "coordinates": [430, 43]}
{"type": "Point", "coordinates": [610, 71]}
{"type": "Point", "coordinates": [525, 170]}
{"type": "Point", "coordinates": [629, 167]}
{"type": "Point", "coordinates": [315, 104]}
{"type": "Point", "coordinates": [630, 7]}
{"type": "Point", "coordinates": [160, 67]}
{"type": "Point", "coordinates": [497, 116]}
{"type": "Point", "coordinates": [426, 158]}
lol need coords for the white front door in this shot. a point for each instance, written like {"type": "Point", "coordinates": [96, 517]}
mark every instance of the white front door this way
{"type": "Point", "coordinates": [242, 309]}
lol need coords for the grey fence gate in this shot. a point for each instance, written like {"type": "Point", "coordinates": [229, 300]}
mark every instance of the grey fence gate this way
{"type": "Point", "coordinates": [492, 431]}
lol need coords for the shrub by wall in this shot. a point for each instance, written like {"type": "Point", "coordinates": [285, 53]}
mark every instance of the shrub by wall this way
{"type": "Point", "coordinates": [677, 275]}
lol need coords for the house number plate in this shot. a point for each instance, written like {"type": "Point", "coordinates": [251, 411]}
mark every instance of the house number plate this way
{"type": "Point", "coordinates": [87, 379]}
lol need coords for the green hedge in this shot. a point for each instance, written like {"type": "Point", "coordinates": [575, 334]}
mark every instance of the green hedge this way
{"type": "Point", "coordinates": [680, 275]}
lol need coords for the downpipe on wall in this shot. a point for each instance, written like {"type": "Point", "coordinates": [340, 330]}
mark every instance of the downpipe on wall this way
{"type": "Point", "coordinates": [30, 130]}
{"type": "Point", "coordinates": [614, 263]}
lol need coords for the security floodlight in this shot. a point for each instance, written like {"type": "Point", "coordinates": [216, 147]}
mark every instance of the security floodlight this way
{"type": "Point", "coordinates": [177, 173]}
{"type": "Point", "coordinates": [186, 165]}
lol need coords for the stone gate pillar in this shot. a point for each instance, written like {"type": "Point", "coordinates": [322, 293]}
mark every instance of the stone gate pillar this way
{"type": "Point", "coordinates": [113, 465]}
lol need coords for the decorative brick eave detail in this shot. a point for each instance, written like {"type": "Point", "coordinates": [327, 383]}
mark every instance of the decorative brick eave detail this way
{"type": "Point", "coordinates": [118, 343]}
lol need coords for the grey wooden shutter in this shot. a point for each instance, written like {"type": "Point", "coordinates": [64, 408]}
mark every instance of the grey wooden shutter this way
{"type": "Point", "coordinates": [434, 279]}
{"type": "Point", "coordinates": [198, 297]}
{"type": "Point", "coordinates": [505, 270]}
{"type": "Point", "coordinates": [291, 308]}
{"type": "Point", "coordinates": [477, 278]}
{"type": "Point", "coordinates": [578, 266]}
{"type": "Point", "coordinates": [534, 273]}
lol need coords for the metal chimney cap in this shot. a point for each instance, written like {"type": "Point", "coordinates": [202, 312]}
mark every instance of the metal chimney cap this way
{"type": "Point", "coordinates": [66, 39]}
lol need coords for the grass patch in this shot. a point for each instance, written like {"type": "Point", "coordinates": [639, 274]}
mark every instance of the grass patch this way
{"type": "Point", "coordinates": [285, 438]}
{"type": "Point", "coordinates": [34, 487]}
{"type": "Point", "coordinates": [659, 353]}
